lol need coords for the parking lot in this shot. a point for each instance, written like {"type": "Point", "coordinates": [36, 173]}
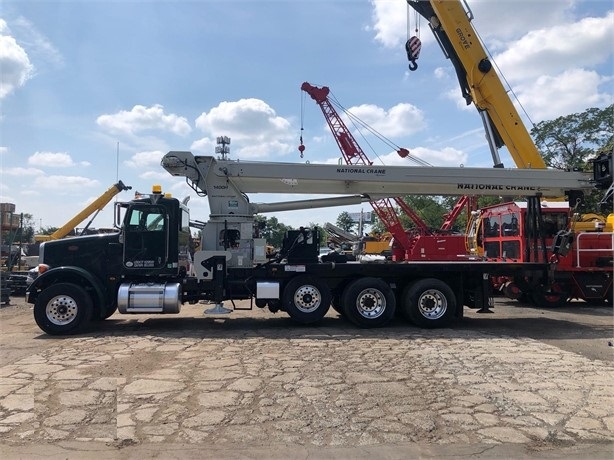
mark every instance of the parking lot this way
{"type": "Point", "coordinates": [519, 382]}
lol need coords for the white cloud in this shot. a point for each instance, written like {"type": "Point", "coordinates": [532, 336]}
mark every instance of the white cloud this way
{"type": "Point", "coordinates": [36, 43]}
{"type": "Point", "coordinates": [570, 92]}
{"type": "Point", "coordinates": [508, 20]}
{"type": "Point", "coordinates": [254, 127]}
{"type": "Point", "coordinates": [512, 18]}
{"type": "Point", "coordinates": [154, 175]}
{"type": "Point", "coordinates": [552, 50]}
{"type": "Point", "coordinates": [19, 171]}
{"type": "Point", "coordinates": [447, 156]}
{"type": "Point", "coordinates": [51, 159]}
{"type": "Point", "coordinates": [418, 156]}
{"type": "Point", "coordinates": [204, 146]}
{"type": "Point", "coordinates": [141, 118]}
{"type": "Point", "coordinates": [550, 56]}
{"type": "Point", "coordinates": [401, 119]}
{"type": "Point", "coordinates": [64, 184]}
{"type": "Point", "coordinates": [244, 118]}
{"type": "Point", "coordinates": [14, 62]}
{"type": "Point", "coordinates": [440, 73]}
{"type": "Point", "coordinates": [145, 159]}
{"type": "Point", "coordinates": [390, 22]}
{"type": "Point", "coordinates": [270, 149]}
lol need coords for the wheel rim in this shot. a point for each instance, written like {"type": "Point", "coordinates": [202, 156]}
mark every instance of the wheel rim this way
{"type": "Point", "coordinates": [432, 304]}
{"type": "Point", "coordinates": [555, 294]}
{"type": "Point", "coordinates": [61, 310]}
{"type": "Point", "coordinates": [307, 298]}
{"type": "Point", "coordinates": [512, 291]}
{"type": "Point", "coordinates": [371, 303]}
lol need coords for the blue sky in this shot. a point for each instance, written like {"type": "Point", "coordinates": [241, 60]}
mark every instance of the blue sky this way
{"type": "Point", "coordinates": [80, 78]}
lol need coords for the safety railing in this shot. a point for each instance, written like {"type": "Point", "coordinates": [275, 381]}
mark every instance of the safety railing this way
{"type": "Point", "coordinates": [593, 239]}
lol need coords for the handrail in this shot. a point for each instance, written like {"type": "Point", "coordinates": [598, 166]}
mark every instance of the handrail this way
{"type": "Point", "coordinates": [587, 250]}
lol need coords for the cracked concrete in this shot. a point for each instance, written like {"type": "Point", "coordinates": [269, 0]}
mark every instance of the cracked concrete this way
{"type": "Point", "coordinates": [259, 384]}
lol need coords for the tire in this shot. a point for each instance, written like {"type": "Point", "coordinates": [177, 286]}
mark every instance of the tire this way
{"type": "Point", "coordinates": [63, 308]}
{"type": "Point", "coordinates": [369, 302]}
{"type": "Point", "coordinates": [107, 314]}
{"type": "Point", "coordinates": [306, 299]}
{"type": "Point", "coordinates": [512, 291]}
{"type": "Point", "coordinates": [554, 296]}
{"type": "Point", "coordinates": [429, 303]}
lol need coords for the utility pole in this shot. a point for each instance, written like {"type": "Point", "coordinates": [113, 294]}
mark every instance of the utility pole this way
{"type": "Point", "coordinates": [20, 241]}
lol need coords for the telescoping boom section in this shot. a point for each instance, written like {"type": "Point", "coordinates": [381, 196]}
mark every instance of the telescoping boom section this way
{"type": "Point", "coordinates": [227, 183]}
{"type": "Point", "coordinates": [219, 178]}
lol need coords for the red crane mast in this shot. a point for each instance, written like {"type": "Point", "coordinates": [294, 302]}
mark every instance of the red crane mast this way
{"type": "Point", "coordinates": [354, 155]}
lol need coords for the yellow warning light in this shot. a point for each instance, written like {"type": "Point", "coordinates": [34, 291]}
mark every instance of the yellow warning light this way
{"type": "Point", "coordinates": [156, 189]}
{"type": "Point", "coordinates": [168, 195]}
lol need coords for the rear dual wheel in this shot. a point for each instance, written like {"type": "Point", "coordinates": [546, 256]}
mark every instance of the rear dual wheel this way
{"type": "Point", "coordinates": [368, 302]}
{"type": "Point", "coordinates": [428, 303]}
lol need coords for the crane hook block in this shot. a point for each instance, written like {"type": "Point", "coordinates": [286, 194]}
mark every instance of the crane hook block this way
{"type": "Point", "coordinates": [413, 47]}
{"type": "Point", "coordinates": [301, 148]}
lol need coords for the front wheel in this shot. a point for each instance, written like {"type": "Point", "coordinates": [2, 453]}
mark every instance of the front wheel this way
{"type": "Point", "coordinates": [108, 312]}
{"type": "Point", "coordinates": [369, 302]}
{"type": "Point", "coordinates": [429, 303]}
{"type": "Point", "coordinates": [306, 299]}
{"type": "Point", "coordinates": [63, 308]}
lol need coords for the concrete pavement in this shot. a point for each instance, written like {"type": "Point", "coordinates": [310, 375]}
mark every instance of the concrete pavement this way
{"type": "Point", "coordinates": [258, 387]}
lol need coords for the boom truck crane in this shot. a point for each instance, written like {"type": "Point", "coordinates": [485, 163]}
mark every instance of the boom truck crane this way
{"type": "Point", "coordinates": [586, 272]}
{"type": "Point", "coordinates": [137, 270]}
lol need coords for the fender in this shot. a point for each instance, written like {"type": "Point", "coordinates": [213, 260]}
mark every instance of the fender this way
{"type": "Point", "coordinates": [69, 274]}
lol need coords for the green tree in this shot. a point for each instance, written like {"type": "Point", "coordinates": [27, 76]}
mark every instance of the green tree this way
{"type": "Point", "coordinates": [28, 228]}
{"type": "Point", "coordinates": [322, 233]}
{"type": "Point", "coordinates": [570, 141]}
{"type": "Point", "coordinates": [24, 233]}
{"type": "Point", "coordinates": [272, 230]}
{"type": "Point", "coordinates": [430, 209]}
{"type": "Point", "coordinates": [345, 221]}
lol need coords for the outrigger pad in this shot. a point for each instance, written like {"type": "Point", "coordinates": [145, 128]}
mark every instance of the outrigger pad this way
{"type": "Point", "coordinates": [219, 309]}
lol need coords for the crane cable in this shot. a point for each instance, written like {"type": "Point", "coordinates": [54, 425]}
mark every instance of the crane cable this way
{"type": "Point", "coordinates": [408, 21]}
{"type": "Point", "coordinates": [507, 84]}
{"type": "Point", "coordinates": [357, 121]}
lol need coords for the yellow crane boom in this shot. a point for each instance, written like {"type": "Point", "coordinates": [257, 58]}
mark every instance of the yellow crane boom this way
{"type": "Point", "coordinates": [480, 84]}
{"type": "Point", "coordinates": [95, 206]}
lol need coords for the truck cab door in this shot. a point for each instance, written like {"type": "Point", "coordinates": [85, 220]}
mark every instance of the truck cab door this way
{"type": "Point", "coordinates": [145, 238]}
